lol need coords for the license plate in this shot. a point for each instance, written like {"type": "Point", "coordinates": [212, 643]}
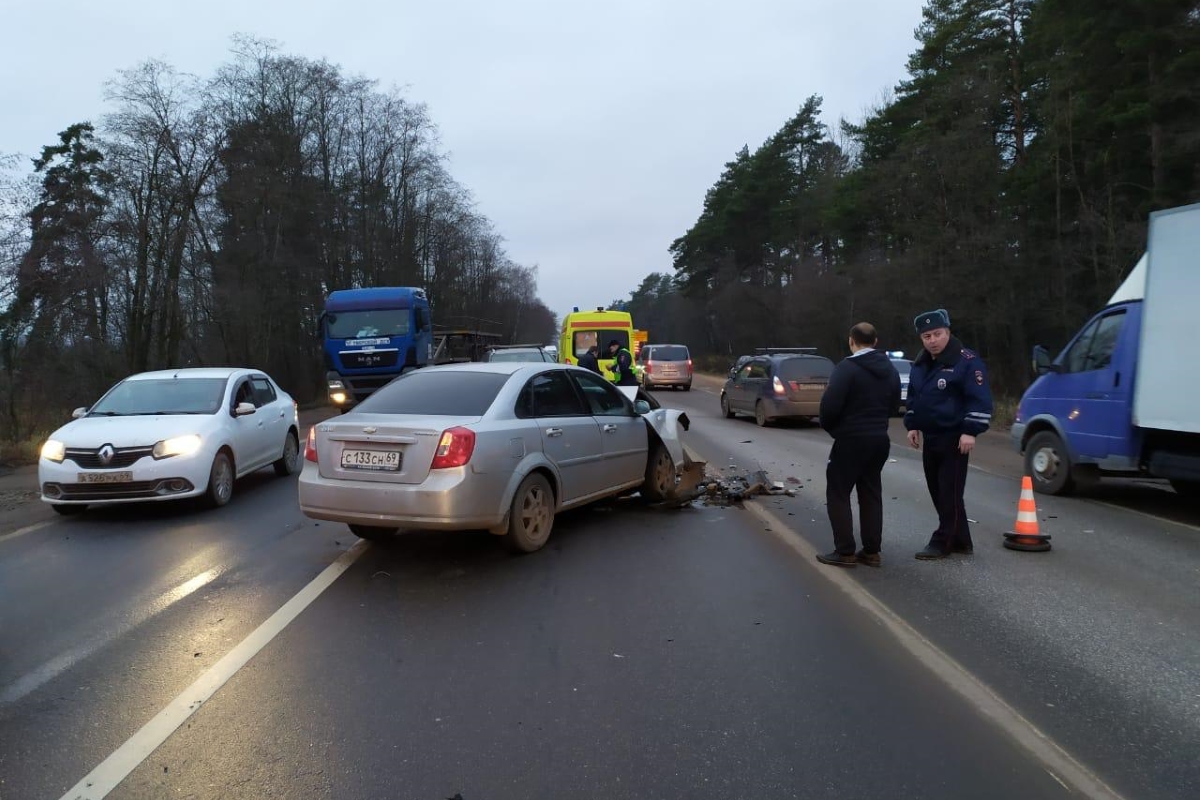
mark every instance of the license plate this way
{"type": "Point", "coordinates": [376, 460]}
{"type": "Point", "coordinates": [105, 477]}
{"type": "Point", "coordinates": [808, 387]}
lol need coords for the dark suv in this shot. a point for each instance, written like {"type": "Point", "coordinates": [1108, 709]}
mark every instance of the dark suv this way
{"type": "Point", "coordinates": [777, 384]}
{"type": "Point", "coordinates": [666, 365]}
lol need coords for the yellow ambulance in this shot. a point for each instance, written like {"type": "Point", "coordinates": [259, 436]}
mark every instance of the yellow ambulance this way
{"type": "Point", "coordinates": [583, 329]}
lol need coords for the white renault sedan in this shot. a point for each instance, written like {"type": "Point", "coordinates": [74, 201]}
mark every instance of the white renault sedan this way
{"type": "Point", "coordinates": [494, 446]}
{"type": "Point", "coordinates": [169, 435]}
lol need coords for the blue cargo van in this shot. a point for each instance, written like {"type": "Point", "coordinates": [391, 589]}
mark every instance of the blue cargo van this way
{"type": "Point", "coordinates": [1121, 399]}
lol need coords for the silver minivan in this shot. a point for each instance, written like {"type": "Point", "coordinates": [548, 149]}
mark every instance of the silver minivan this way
{"type": "Point", "coordinates": [666, 365]}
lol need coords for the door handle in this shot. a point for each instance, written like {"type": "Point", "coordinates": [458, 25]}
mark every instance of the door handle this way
{"type": "Point", "coordinates": [609, 428]}
{"type": "Point", "coordinates": [554, 431]}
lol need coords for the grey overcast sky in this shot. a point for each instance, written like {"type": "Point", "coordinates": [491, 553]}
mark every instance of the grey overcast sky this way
{"type": "Point", "coordinates": [587, 133]}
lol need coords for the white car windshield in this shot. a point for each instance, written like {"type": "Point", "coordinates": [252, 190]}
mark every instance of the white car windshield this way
{"type": "Point", "coordinates": [161, 396]}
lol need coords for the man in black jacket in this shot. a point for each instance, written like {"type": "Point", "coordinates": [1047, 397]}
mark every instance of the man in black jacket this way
{"type": "Point", "coordinates": [589, 360]}
{"type": "Point", "coordinates": [863, 394]}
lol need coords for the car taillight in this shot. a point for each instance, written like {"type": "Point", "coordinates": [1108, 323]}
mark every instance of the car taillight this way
{"type": "Point", "coordinates": [778, 386]}
{"type": "Point", "coordinates": [454, 449]}
{"type": "Point", "coordinates": [649, 364]}
{"type": "Point", "coordinates": [310, 445]}
{"type": "Point", "coordinates": [689, 366]}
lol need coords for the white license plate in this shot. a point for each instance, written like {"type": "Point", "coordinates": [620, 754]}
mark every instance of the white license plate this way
{"type": "Point", "coordinates": [809, 387]}
{"type": "Point", "coordinates": [377, 460]}
{"type": "Point", "coordinates": [105, 477]}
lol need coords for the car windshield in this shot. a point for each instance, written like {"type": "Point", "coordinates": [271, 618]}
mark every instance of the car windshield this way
{"type": "Point", "coordinates": [161, 396]}
{"type": "Point", "coordinates": [439, 393]}
{"type": "Point", "coordinates": [518, 355]}
{"type": "Point", "coordinates": [669, 352]}
{"type": "Point", "coordinates": [795, 369]}
{"type": "Point", "coordinates": [368, 324]}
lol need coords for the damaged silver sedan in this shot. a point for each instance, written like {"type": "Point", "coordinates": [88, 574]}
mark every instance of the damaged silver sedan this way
{"type": "Point", "coordinates": [496, 446]}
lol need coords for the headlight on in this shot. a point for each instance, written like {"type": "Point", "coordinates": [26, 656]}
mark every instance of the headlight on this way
{"type": "Point", "coordinates": [338, 397]}
{"type": "Point", "coordinates": [177, 446]}
{"type": "Point", "coordinates": [54, 451]}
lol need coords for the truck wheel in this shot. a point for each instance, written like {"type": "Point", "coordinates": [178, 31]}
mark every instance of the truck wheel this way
{"type": "Point", "coordinates": [531, 517]}
{"type": "Point", "coordinates": [1047, 462]}
{"type": "Point", "coordinates": [373, 533]}
{"type": "Point", "coordinates": [660, 474]}
{"type": "Point", "coordinates": [725, 409]}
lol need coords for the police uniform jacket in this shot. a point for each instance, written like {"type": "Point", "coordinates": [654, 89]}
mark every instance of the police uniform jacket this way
{"type": "Point", "coordinates": [949, 394]}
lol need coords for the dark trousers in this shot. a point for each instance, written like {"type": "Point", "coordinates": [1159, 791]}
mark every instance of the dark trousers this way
{"type": "Point", "coordinates": [946, 477]}
{"type": "Point", "coordinates": [856, 463]}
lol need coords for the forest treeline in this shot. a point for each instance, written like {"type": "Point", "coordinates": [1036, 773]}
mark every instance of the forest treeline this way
{"type": "Point", "coordinates": [202, 221]}
{"type": "Point", "coordinates": [1008, 179]}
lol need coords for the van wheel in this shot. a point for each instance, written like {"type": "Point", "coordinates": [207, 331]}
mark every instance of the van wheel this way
{"type": "Point", "coordinates": [725, 409]}
{"type": "Point", "coordinates": [1047, 462]}
{"type": "Point", "coordinates": [531, 517]}
{"type": "Point", "coordinates": [760, 414]}
{"type": "Point", "coordinates": [373, 533]}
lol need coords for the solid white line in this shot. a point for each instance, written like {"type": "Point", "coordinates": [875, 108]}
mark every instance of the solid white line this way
{"type": "Point", "coordinates": [27, 529]}
{"type": "Point", "coordinates": [1055, 759]}
{"type": "Point", "coordinates": [114, 769]}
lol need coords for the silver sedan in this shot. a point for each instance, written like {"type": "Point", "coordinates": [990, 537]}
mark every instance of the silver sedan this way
{"type": "Point", "coordinates": [497, 446]}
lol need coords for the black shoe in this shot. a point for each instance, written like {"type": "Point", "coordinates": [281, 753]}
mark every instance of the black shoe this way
{"type": "Point", "coordinates": [931, 553]}
{"type": "Point", "coordinates": [965, 549]}
{"type": "Point", "coordinates": [869, 559]}
{"type": "Point", "coordinates": [837, 559]}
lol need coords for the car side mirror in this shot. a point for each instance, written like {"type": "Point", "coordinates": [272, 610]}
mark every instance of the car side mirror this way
{"type": "Point", "coordinates": [79, 412]}
{"type": "Point", "coordinates": [641, 407]}
{"type": "Point", "coordinates": [244, 409]}
{"type": "Point", "coordinates": [1042, 363]}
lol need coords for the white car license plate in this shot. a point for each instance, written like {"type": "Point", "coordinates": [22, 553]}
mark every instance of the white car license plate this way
{"type": "Point", "coordinates": [105, 477]}
{"type": "Point", "coordinates": [378, 460]}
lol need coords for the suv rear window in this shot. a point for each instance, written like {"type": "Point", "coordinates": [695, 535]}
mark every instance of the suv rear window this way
{"type": "Point", "coordinates": [432, 392]}
{"type": "Point", "coordinates": [669, 352]}
{"type": "Point", "coordinates": [805, 368]}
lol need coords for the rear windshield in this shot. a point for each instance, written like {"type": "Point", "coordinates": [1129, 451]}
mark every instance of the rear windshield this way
{"type": "Point", "coordinates": [903, 367]}
{"type": "Point", "coordinates": [438, 393]}
{"type": "Point", "coordinates": [669, 352]}
{"type": "Point", "coordinates": [582, 340]}
{"type": "Point", "coordinates": [799, 369]}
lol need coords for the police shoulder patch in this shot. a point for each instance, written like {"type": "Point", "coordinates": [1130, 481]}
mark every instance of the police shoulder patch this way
{"type": "Point", "coordinates": [979, 377]}
{"type": "Point", "coordinates": [967, 353]}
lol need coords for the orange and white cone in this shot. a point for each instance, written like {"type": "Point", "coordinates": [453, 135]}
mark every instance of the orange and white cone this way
{"type": "Point", "coordinates": [1025, 535]}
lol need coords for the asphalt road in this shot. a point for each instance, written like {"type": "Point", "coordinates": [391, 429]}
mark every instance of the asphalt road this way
{"type": "Point", "coordinates": [643, 653]}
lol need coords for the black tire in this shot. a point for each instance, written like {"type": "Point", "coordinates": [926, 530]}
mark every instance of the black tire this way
{"type": "Point", "coordinates": [531, 516]}
{"type": "Point", "coordinates": [221, 477]}
{"type": "Point", "coordinates": [660, 474]}
{"type": "Point", "coordinates": [760, 415]}
{"type": "Point", "coordinates": [725, 409]}
{"type": "Point", "coordinates": [373, 533]}
{"type": "Point", "coordinates": [69, 511]}
{"type": "Point", "coordinates": [289, 461]}
{"type": "Point", "coordinates": [1048, 463]}
{"type": "Point", "coordinates": [687, 387]}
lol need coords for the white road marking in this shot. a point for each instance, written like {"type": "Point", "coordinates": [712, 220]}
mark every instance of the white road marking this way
{"type": "Point", "coordinates": [27, 529]}
{"type": "Point", "coordinates": [114, 769]}
{"type": "Point", "coordinates": [1056, 760]}
{"type": "Point", "coordinates": [61, 663]}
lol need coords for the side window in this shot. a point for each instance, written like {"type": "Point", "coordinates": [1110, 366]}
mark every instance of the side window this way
{"type": "Point", "coordinates": [243, 394]}
{"type": "Point", "coordinates": [264, 392]}
{"type": "Point", "coordinates": [422, 319]}
{"type": "Point", "coordinates": [745, 372]}
{"type": "Point", "coordinates": [758, 369]}
{"type": "Point", "coordinates": [583, 340]}
{"type": "Point", "coordinates": [604, 399]}
{"type": "Point", "coordinates": [1094, 348]}
{"type": "Point", "coordinates": [549, 395]}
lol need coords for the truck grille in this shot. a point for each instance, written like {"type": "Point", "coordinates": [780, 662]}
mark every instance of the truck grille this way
{"type": "Point", "coordinates": [364, 359]}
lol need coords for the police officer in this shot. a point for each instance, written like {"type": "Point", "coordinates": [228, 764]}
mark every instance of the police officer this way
{"type": "Point", "coordinates": [948, 405]}
{"type": "Point", "coordinates": [623, 368]}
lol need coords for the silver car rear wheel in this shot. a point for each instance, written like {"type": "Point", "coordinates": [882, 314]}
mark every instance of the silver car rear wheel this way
{"type": "Point", "coordinates": [531, 517]}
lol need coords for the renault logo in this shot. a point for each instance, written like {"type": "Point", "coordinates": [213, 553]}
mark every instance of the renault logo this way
{"type": "Point", "coordinates": [106, 454]}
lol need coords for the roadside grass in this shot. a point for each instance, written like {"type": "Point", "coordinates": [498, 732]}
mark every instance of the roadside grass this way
{"type": "Point", "coordinates": [21, 453]}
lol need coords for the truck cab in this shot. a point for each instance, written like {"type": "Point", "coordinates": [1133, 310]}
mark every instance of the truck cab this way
{"type": "Point", "coordinates": [370, 336]}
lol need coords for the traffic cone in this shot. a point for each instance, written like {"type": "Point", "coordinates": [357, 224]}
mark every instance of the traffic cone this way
{"type": "Point", "coordinates": [1024, 535]}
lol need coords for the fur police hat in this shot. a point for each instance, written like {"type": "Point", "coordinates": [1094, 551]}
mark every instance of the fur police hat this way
{"type": "Point", "coordinates": [932, 320]}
